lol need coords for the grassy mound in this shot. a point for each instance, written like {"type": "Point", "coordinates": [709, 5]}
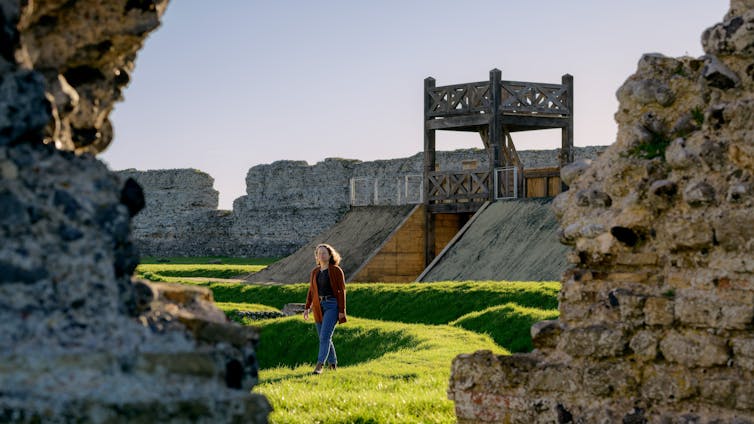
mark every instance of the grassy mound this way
{"type": "Point", "coordinates": [421, 303]}
{"type": "Point", "coordinates": [508, 324]}
{"type": "Point", "coordinates": [395, 351]}
{"type": "Point", "coordinates": [441, 303]}
{"type": "Point", "coordinates": [389, 372]}
{"type": "Point", "coordinates": [359, 342]}
{"type": "Point", "coordinates": [503, 310]}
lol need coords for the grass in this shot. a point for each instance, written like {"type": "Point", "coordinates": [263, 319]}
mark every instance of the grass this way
{"type": "Point", "coordinates": [508, 324]}
{"type": "Point", "coordinates": [170, 269]}
{"type": "Point", "coordinates": [421, 303]}
{"type": "Point", "coordinates": [361, 342]}
{"type": "Point", "coordinates": [246, 307]}
{"type": "Point", "coordinates": [698, 114]}
{"type": "Point", "coordinates": [654, 148]}
{"type": "Point", "coordinates": [389, 372]}
{"type": "Point", "coordinates": [395, 351]}
{"type": "Point", "coordinates": [160, 271]}
{"type": "Point", "coordinates": [197, 260]}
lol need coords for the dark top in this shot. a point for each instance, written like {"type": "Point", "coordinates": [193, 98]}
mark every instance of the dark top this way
{"type": "Point", "coordinates": [323, 283]}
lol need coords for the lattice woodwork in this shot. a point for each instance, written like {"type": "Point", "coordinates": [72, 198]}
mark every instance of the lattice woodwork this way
{"type": "Point", "coordinates": [527, 98]}
{"type": "Point", "coordinates": [534, 98]}
{"type": "Point", "coordinates": [460, 99]}
{"type": "Point", "coordinates": [459, 185]}
{"type": "Point", "coordinates": [492, 108]}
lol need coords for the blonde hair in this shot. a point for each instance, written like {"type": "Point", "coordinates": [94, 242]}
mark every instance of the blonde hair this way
{"type": "Point", "coordinates": [334, 255]}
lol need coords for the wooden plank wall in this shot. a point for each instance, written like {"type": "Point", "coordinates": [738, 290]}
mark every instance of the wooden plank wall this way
{"type": "Point", "coordinates": [401, 258]}
{"type": "Point", "coordinates": [446, 226]}
{"type": "Point", "coordinates": [542, 182]}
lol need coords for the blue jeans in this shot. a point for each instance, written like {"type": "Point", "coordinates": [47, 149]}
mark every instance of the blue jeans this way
{"type": "Point", "coordinates": [325, 330]}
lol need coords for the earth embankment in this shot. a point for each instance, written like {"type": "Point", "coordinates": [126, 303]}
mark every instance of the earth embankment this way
{"type": "Point", "coordinates": [509, 240]}
{"type": "Point", "coordinates": [361, 231]}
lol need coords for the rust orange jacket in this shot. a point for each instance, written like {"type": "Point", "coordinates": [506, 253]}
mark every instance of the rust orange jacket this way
{"type": "Point", "coordinates": [338, 284]}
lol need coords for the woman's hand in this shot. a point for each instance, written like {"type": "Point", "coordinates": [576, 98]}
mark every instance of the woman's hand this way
{"type": "Point", "coordinates": [341, 316]}
{"type": "Point", "coordinates": [306, 314]}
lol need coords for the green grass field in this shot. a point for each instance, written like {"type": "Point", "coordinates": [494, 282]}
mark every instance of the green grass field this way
{"type": "Point", "coordinates": [151, 260]}
{"type": "Point", "coordinates": [389, 372]}
{"type": "Point", "coordinates": [394, 352]}
{"type": "Point", "coordinates": [168, 269]}
{"type": "Point", "coordinates": [164, 272]}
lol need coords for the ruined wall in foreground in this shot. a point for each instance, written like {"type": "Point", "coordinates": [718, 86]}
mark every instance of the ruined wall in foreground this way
{"type": "Point", "coordinates": [79, 341]}
{"type": "Point", "coordinates": [657, 312]}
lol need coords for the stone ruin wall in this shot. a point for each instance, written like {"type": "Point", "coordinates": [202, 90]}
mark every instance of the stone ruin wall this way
{"type": "Point", "coordinates": [180, 217]}
{"type": "Point", "coordinates": [287, 203]}
{"type": "Point", "coordinates": [79, 340]}
{"type": "Point", "coordinates": [657, 310]}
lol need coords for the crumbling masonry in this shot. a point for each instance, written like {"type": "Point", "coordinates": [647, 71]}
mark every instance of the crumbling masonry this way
{"type": "Point", "coordinates": [282, 210]}
{"type": "Point", "coordinates": [657, 311]}
{"type": "Point", "coordinates": [79, 341]}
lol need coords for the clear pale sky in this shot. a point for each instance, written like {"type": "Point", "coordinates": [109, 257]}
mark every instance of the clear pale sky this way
{"type": "Point", "coordinates": [223, 86]}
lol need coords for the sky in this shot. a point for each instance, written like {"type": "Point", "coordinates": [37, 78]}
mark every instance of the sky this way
{"type": "Point", "coordinates": [226, 85]}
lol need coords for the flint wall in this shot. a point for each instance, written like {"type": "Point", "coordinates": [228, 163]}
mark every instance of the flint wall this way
{"type": "Point", "coordinates": [286, 202]}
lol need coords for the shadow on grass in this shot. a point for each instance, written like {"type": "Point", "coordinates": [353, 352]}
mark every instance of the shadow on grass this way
{"type": "Point", "coordinates": [509, 325]}
{"type": "Point", "coordinates": [275, 296]}
{"type": "Point", "coordinates": [291, 342]}
{"type": "Point", "coordinates": [442, 303]}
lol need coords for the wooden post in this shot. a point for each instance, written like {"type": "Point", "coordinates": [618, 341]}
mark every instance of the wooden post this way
{"type": "Point", "coordinates": [566, 149]}
{"type": "Point", "coordinates": [429, 166]}
{"type": "Point", "coordinates": [495, 132]}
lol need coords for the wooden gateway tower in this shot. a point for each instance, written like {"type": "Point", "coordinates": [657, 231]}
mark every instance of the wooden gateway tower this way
{"type": "Point", "coordinates": [494, 109]}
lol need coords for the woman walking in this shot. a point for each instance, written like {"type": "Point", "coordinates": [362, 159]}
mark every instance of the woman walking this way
{"type": "Point", "coordinates": [327, 300]}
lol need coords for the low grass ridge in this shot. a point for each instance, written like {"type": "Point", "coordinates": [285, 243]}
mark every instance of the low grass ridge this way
{"type": "Point", "coordinates": [155, 272]}
{"type": "Point", "coordinates": [503, 310]}
{"type": "Point", "coordinates": [509, 325]}
{"type": "Point", "coordinates": [389, 372]}
{"type": "Point", "coordinates": [395, 351]}
{"type": "Point", "coordinates": [198, 260]}
{"type": "Point", "coordinates": [245, 307]}
{"type": "Point", "coordinates": [360, 342]}
{"type": "Point", "coordinates": [420, 303]}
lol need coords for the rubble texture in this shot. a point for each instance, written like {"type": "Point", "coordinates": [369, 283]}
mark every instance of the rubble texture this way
{"type": "Point", "coordinates": [84, 51]}
{"type": "Point", "coordinates": [287, 203]}
{"type": "Point", "coordinates": [79, 341]}
{"type": "Point", "coordinates": [181, 216]}
{"type": "Point", "coordinates": [657, 311]}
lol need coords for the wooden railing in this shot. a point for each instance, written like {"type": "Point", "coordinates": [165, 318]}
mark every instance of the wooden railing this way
{"type": "Point", "coordinates": [516, 97]}
{"type": "Point", "coordinates": [533, 98]}
{"type": "Point", "coordinates": [458, 186]}
{"type": "Point", "coordinates": [460, 99]}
